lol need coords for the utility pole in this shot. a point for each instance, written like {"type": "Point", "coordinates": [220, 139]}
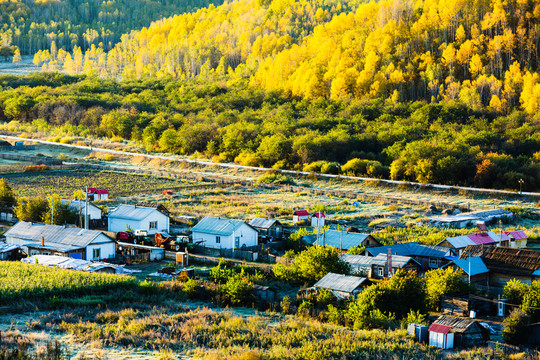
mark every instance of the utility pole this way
{"type": "Point", "coordinates": [52, 210]}
{"type": "Point", "coordinates": [341, 242]}
{"type": "Point", "coordinates": [86, 210]}
{"type": "Point", "coordinates": [521, 182]}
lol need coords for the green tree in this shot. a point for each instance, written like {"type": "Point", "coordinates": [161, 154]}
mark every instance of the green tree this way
{"type": "Point", "coordinates": [515, 291]}
{"type": "Point", "coordinates": [7, 198]}
{"type": "Point", "coordinates": [32, 210]}
{"type": "Point", "coordinates": [515, 327]}
{"type": "Point", "coordinates": [443, 282]}
{"type": "Point", "coordinates": [63, 213]}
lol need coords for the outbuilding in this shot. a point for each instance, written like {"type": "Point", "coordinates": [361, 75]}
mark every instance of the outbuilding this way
{"type": "Point", "coordinates": [342, 286]}
{"type": "Point", "coordinates": [448, 332]}
{"type": "Point", "coordinates": [219, 233]}
{"type": "Point", "coordinates": [132, 217]}
{"type": "Point", "coordinates": [317, 219]}
{"type": "Point", "coordinates": [267, 228]}
{"type": "Point", "coordinates": [79, 206]}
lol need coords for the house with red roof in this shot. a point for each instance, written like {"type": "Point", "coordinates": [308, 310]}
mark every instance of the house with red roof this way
{"type": "Point", "coordinates": [448, 332]}
{"type": "Point", "coordinates": [300, 216]}
{"type": "Point", "coordinates": [317, 219]}
{"type": "Point", "coordinates": [518, 239]}
{"type": "Point", "coordinates": [459, 243]}
{"type": "Point", "coordinates": [97, 194]}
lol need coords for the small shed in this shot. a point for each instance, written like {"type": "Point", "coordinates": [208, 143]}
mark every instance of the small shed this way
{"type": "Point", "coordinates": [267, 228]}
{"type": "Point", "coordinates": [448, 332]}
{"type": "Point", "coordinates": [317, 219]}
{"type": "Point", "coordinates": [138, 252]}
{"type": "Point", "coordinates": [518, 239]}
{"type": "Point", "coordinates": [342, 286]}
{"type": "Point", "coordinates": [300, 216]}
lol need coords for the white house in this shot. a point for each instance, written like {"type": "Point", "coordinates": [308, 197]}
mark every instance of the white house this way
{"type": "Point", "coordinates": [134, 217]}
{"type": "Point", "coordinates": [39, 239]}
{"type": "Point", "coordinates": [218, 233]}
{"type": "Point", "coordinates": [94, 212]}
{"type": "Point", "coordinates": [300, 216]}
{"type": "Point", "coordinates": [317, 219]}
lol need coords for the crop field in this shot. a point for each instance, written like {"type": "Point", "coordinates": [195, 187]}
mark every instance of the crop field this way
{"type": "Point", "coordinates": [35, 282]}
{"type": "Point", "coordinates": [66, 182]}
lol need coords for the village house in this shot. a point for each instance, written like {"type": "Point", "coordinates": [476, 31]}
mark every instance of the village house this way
{"type": "Point", "coordinates": [459, 243]}
{"type": "Point", "coordinates": [300, 217]}
{"type": "Point", "coordinates": [317, 219]}
{"type": "Point", "coordinates": [518, 239]}
{"type": "Point", "coordinates": [133, 218]}
{"type": "Point", "coordinates": [218, 233]}
{"type": "Point", "coordinates": [8, 251]}
{"type": "Point", "coordinates": [428, 256]}
{"type": "Point", "coordinates": [79, 206]}
{"type": "Point", "coordinates": [345, 240]}
{"type": "Point", "coordinates": [505, 264]}
{"type": "Point", "coordinates": [39, 239]}
{"type": "Point", "coordinates": [73, 264]}
{"type": "Point", "coordinates": [473, 269]}
{"type": "Point", "coordinates": [267, 228]}
{"type": "Point", "coordinates": [342, 286]}
{"type": "Point", "coordinates": [97, 194]}
{"type": "Point", "coordinates": [448, 332]}
{"type": "Point", "coordinates": [376, 267]}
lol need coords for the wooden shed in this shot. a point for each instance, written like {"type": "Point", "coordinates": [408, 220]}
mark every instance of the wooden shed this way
{"type": "Point", "coordinates": [448, 332]}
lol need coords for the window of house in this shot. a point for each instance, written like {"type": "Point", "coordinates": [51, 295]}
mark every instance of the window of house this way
{"type": "Point", "coordinates": [96, 253]}
{"type": "Point", "coordinates": [153, 224]}
{"type": "Point", "coordinates": [433, 263]}
{"type": "Point", "coordinates": [381, 272]}
{"type": "Point", "coordinates": [218, 239]}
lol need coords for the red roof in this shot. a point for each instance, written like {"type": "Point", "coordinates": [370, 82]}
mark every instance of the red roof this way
{"type": "Point", "coordinates": [517, 235]}
{"type": "Point", "coordinates": [102, 191]}
{"type": "Point", "coordinates": [481, 238]}
{"type": "Point", "coordinates": [92, 190]}
{"type": "Point", "coordinates": [438, 328]}
{"type": "Point", "coordinates": [318, 214]}
{"type": "Point", "coordinates": [301, 213]}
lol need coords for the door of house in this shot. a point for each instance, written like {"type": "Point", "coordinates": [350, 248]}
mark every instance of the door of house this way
{"type": "Point", "coordinates": [237, 242]}
{"type": "Point", "coordinates": [500, 311]}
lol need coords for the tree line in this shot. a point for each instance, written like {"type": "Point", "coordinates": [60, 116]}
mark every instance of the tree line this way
{"type": "Point", "coordinates": [447, 143]}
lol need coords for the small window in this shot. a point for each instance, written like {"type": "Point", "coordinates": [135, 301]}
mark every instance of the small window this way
{"type": "Point", "coordinates": [381, 272]}
{"type": "Point", "coordinates": [96, 253]}
{"type": "Point", "coordinates": [218, 239]}
{"type": "Point", "coordinates": [153, 224]}
{"type": "Point", "coordinates": [433, 263]}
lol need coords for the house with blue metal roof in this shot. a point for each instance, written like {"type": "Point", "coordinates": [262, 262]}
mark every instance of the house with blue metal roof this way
{"type": "Point", "coordinates": [345, 240]}
{"type": "Point", "coordinates": [428, 256]}
{"type": "Point", "coordinates": [133, 218]}
{"type": "Point", "coordinates": [220, 233]}
{"type": "Point", "coordinates": [267, 228]}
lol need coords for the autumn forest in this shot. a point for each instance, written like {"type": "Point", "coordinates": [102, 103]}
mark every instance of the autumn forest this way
{"type": "Point", "coordinates": [429, 91]}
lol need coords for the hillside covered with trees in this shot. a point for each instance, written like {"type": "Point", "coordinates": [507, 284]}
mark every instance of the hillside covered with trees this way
{"type": "Point", "coordinates": [444, 92]}
{"type": "Point", "coordinates": [35, 25]}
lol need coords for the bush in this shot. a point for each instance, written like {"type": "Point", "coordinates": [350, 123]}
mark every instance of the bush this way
{"type": "Point", "coordinates": [285, 305]}
{"type": "Point", "coordinates": [192, 288]}
{"type": "Point", "coordinates": [515, 291]}
{"type": "Point", "coordinates": [238, 290]}
{"type": "Point", "coordinates": [515, 327]}
{"type": "Point", "coordinates": [443, 282]}
{"type": "Point", "coordinates": [275, 179]}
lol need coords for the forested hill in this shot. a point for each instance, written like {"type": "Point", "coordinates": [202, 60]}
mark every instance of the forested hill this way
{"type": "Point", "coordinates": [482, 52]}
{"type": "Point", "coordinates": [33, 25]}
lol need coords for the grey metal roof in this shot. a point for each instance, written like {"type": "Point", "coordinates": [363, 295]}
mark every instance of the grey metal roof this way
{"type": "Point", "coordinates": [476, 263]}
{"type": "Point", "coordinates": [411, 249]}
{"type": "Point", "coordinates": [131, 212]}
{"type": "Point", "coordinates": [397, 260]}
{"type": "Point", "coordinates": [53, 246]}
{"type": "Point", "coordinates": [338, 282]}
{"type": "Point", "coordinates": [459, 242]}
{"type": "Point", "coordinates": [75, 237]}
{"type": "Point", "coordinates": [358, 261]}
{"type": "Point", "coordinates": [333, 238]}
{"type": "Point", "coordinates": [69, 263]}
{"type": "Point", "coordinates": [217, 226]}
{"type": "Point", "coordinates": [263, 223]}
{"type": "Point", "coordinates": [79, 204]}
{"type": "Point", "coordinates": [4, 247]}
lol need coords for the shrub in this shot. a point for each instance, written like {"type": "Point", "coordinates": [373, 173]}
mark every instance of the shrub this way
{"type": "Point", "coordinates": [275, 179]}
{"type": "Point", "coordinates": [285, 305]}
{"type": "Point", "coordinates": [515, 327]}
{"type": "Point", "coordinates": [515, 291]}
{"type": "Point", "coordinates": [238, 290]}
{"type": "Point", "coordinates": [443, 282]}
{"type": "Point", "coordinates": [192, 288]}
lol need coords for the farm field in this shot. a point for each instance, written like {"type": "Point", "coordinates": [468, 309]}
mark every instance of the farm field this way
{"type": "Point", "coordinates": [66, 182]}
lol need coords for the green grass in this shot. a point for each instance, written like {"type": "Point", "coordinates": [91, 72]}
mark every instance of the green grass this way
{"type": "Point", "coordinates": [20, 281]}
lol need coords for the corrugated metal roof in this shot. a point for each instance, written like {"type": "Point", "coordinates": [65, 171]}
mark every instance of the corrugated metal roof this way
{"type": "Point", "coordinates": [442, 329]}
{"type": "Point", "coordinates": [131, 212]}
{"type": "Point", "coordinates": [481, 238]}
{"type": "Point", "coordinates": [411, 249]}
{"type": "Point", "coordinates": [517, 235]}
{"type": "Point", "coordinates": [338, 282]}
{"type": "Point", "coordinates": [79, 204]}
{"type": "Point", "coordinates": [499, 236]}
{"type": "Point", "coordinates": [301, 213]}
{"type": "Point", "coordinates": [263, 223]}
{"type": "Point", "coordinates": [217, 226]}
{"type": "Point", "coordinates": [333, 238]}
{"type": "Point", "coordinates": [477, 265]}
{"type": "Point", "coordinates": [358, 261]}
{"type": "Point", "coordinates": [459, 242]}
{"type": "Point", "coordinates": [4, 247]}
{"type": "Point", "coordinates": [397, 260]}
{"type": "Point", "coordinates": [455, 323]}
{"type": "Point", "coordinates": [53, 234]}
{"type": "Point", "coordinates": [69, 263]}
{"type": "Point", "coordinates": [318, 214]}
{"type": "Point", "coordinates": [463, 241]}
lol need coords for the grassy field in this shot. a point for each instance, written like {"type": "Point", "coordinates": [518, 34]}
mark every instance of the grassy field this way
{"type": "Point", "coordinates": [66, 182]}
{"type": "Point", "coordinates": [19, 281]}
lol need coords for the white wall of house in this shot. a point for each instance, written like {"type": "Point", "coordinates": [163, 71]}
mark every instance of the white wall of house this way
{"type": "Point", "coordinates": [94, 213]}
{"type": "Point", "coordinates": [106, 247]}
{"type": "Point", "coordinates": [297, 219]}
{"type": "Point", "coordinates": [246, 236]}
{"type": "Point", "coordinates": [314, 220]}
{"type": "Point", "coordinates": [153, 223]}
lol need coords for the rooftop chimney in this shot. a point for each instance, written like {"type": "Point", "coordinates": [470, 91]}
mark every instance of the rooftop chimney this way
{"type": "Point", "coordinates": [42, 241]}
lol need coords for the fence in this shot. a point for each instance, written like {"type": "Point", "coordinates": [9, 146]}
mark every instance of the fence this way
{"type": "Point", "coordinates": [491, 290]}
{"type": "Point", "coordinates": [508, 349]}
{"type": "Point", "coordinates": [37, 160]}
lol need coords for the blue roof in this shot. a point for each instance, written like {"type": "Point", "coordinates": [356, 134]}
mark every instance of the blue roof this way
{"type": "Point", "coordinates": [411, 249]}
{"type": "Point", "coordinates": [217, 226]}
{"type": "Point", "coordinates": [333, 238]}
{"type": "Point", "coordinates": [476, 264]}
